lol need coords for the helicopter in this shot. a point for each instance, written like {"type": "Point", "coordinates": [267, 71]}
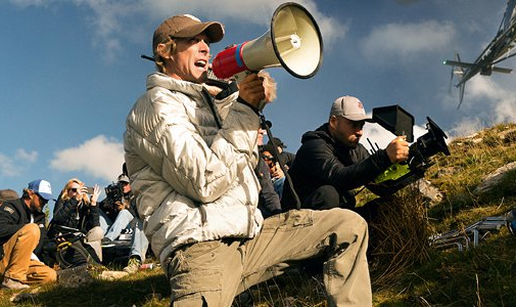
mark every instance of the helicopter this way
{"type": "Point", "coordinates": [497, 51]}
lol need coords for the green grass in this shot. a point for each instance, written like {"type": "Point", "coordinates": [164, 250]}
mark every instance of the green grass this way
{"type": "Point", "coordinates": [405, 271]}
{"type": "Point", "coordinates": [146, 288]}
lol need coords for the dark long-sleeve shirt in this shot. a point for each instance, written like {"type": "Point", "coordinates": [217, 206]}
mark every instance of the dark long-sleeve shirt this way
{"type": "Point", "coordinates": [75, 214]}
{"type": "Point", "coordinates": [14, 215]}
{"type": "Point", "coordinates": [322, 161]}
{"type": "Point", "coordinates": [269, 202]}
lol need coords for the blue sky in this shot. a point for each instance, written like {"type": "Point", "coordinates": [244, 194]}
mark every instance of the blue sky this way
{"type": "Point", "coordinates": [71, 70]}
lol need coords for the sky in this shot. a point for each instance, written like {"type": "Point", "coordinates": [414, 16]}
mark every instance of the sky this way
{"type": "Point", "coordinates": [71, 70]}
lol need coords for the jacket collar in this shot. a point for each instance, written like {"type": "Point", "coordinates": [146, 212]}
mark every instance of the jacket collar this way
{"type": "Point", "coordinates": [162, 80]}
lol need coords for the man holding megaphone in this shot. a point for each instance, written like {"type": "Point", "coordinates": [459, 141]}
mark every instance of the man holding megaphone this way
{"type": "Point", "coordinates": [191, 160]}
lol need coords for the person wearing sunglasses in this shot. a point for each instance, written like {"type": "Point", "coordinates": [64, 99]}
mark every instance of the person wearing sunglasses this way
{"type": "Point", "coordinates": [22, 230]}
{"type": "Point", "coordinates": [77, 208]}
{"type": "Point", "coordinates": [277, 174]}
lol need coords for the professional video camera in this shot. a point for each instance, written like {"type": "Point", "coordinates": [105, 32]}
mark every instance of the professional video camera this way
{"type": "Point", "coordinates": [114, 192]}
{"type": "Point", "coordinates": [400, 122]}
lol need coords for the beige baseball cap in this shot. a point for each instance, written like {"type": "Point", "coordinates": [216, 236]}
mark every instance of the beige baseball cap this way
{"type": "Point", "coordinates": [351, 108]}
{"type": "Point", "coordinates": [184, 26]}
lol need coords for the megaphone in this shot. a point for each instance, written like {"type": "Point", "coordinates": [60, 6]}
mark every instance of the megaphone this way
{"type": "Point", "coordinates": [293, 42]}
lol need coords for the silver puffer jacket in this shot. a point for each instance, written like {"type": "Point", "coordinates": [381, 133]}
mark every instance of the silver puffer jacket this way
{"type": "Point", "coordinates": [193, 181]}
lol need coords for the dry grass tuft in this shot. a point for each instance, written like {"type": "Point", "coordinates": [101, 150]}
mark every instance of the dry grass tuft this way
{"type": "Point", "coordinates": [399, 237]}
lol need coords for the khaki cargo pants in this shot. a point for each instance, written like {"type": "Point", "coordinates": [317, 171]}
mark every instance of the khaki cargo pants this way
{"type": "Point", "coordinates": [212, 273]}
{"type": "Point", "coordinates": [17, 263]}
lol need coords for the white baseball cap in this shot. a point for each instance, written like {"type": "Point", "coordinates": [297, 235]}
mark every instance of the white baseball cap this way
{"type": "Point", "coordinates": [42, 187]}
{"type": "Point", "coordinates": [351, 108]}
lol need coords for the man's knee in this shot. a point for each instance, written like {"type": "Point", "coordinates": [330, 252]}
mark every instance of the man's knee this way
{"type": "Point", "coordinates": [351, 218]}
{"type": "Point", "coordinates": [30, 230]}
{"type": "Point", "coordinates": [125, 213]}
{"type": "Point", "coordinates": [95, 234]}
{"type": "Point", "coordinates": [324, 197]}
{"type": "Point", "coordinates": [40, 273]}
{"type": "Point", "coordinates": [347, 223]}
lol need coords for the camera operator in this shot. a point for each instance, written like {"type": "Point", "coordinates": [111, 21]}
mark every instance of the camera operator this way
{"type": "Point", "coordinates": [331, 161]}
{"type": "Point", "coordinates": [118, 214]}
{"type": "Point", "coordinates": [118, 209]}
{"type": "Point", "coordinates": [118, 198]}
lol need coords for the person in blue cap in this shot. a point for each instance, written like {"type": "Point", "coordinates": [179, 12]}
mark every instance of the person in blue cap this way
{"type": "Point", "coordinates": [22, 230]}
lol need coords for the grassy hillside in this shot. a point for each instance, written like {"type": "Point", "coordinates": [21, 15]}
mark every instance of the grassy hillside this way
{"type": "Point", "coordinates": [481, 276]}
{"type": "Point", "coordinates": [405, 270]}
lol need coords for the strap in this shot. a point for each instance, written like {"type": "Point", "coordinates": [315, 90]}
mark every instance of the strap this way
{"type": "Point", "coordinates": [275, 153]}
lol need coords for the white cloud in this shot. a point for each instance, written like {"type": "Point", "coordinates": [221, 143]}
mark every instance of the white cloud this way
{"type": "Point", "coordinates": [381, 137]}
{"type": "Point", "coordinates": [247, 12]}
{"type": "Point", "coordinates": [110, 22]}
{"type": "Point", "coordinates": [488, 99]}
{"type": "Point", "coordinates": [29, 157]}
{"type": "Point", "coordinates": [251, 12]}
{"type": "Point", "coordinates": [7, 166]}
{"type": "Point", "coordinates": [99, 157]}
{"type": "Point", "coordinates": [115, 22]}
{"type": "Point", "coordinates": [378, 136]}
{"type": "Point", "coordinates": [19, 162]}
{"type": "Point", "coordinates": [467, 126]}
{"type": "Point", "coordinates": [404, 41]}
{"type": "Point", "coordinates": [492, 98]}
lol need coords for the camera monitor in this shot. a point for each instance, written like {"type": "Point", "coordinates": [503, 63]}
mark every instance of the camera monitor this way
{"type": "Point", "coordinates": [396, 120]}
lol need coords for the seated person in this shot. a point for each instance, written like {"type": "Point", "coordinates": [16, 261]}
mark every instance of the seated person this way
{"type": "Point", "coordinates": [118, 215]}
{"type": "Point", "coordinates": [276, 173]}
{"type": "Point", "coordinates": [269, 201]}
{"type": "Point", "coordinates": [75, 208]}
{"type": "Point", "coordinates": [331, 161]}
{"type": "Point", "coordinates": [117, 210]}
{"type": "Point", "coordinates": [284, 156]}
{"type": "Point", "coordinates": [8, 194]}
{"type": "Point", "coordinates": [22, 229]}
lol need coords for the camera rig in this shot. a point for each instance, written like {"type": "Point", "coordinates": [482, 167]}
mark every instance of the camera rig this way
{"type": "Point", "coordinates": [114, 192]}
{"type": "Point", "coordinates": [399, 175]}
